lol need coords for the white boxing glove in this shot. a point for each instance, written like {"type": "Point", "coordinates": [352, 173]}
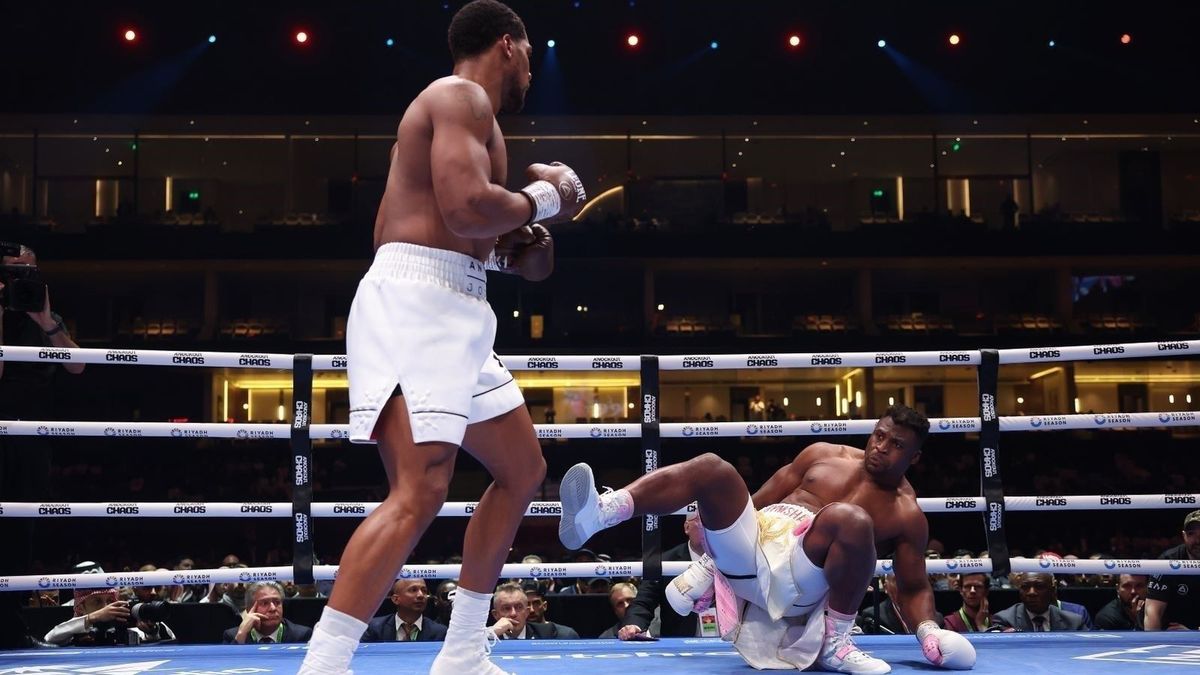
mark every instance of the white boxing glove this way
{"type": "Point", "coordinates": [692, 591]}
{"type": "Point", "coordinates": [945, 648]}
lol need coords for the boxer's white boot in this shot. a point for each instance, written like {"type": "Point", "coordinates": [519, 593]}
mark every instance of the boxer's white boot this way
{"type": "Point", "coordinates": [468, 644]}
{"type": "Point", "coordinates": [692, 591]}
{"type": "Point", "coordinates": [839, 653]}
{"type": "Point", "coordinates": [469, 655]}
{"type": "Point", "coordinates": [584, 511]}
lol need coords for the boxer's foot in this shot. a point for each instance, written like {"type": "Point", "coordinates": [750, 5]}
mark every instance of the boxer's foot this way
{"type": "Point", "coordinates": [584, 511]}
{"type": "Point", "coordinates": [840, 655]}
{"type": "Point", "coordinates": [468, 656]}
{"type": "Point", "coordinates": [692, 591]}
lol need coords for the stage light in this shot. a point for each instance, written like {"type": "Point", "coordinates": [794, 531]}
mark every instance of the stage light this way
{"type": "Point", "coordinates": [713, 45]}
{"type": "Point", "coordinates": [794, 40]}
{"type": "Point", "coordinates": [632, 40]}
{"type": "Point", "coordinates": [1126, 39]}
{"type": "Point", "coordinates": [212, 39]}
{"type": "Point", "coordinates": [130, 35]}
{"type": "Point", "coordinates": [881, 44]}
{"type": "Point", "coordinates": [1051, 43]}
{"type": "Point", "coordinates": [954, 39]}
{"type": "Point", "coordinates": [550, 43]}
{"type": "Point", "coordinates": [389, 42]}
{"type": "Point", "coordinates": [301, 37]}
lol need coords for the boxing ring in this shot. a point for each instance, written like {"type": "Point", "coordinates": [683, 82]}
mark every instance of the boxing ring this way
{"type": "Point", "coordinates": [1050, 653]}
{"type": "Point", "coordinates": [1042, 652]}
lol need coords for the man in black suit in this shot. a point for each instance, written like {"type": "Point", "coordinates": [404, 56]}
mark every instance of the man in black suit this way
{"type": "Point", "coordinates": [1035, 612]}
{"type": "Point", "coordinates": [408, 624]}
{"type": "Point", "coordinates": [640, 622]}
{"type": "Point", "coordinates": [263, 622]}
{"type": "Point", "coordinates": [510, 608]}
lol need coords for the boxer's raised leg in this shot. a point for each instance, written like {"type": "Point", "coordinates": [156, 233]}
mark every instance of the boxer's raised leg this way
{"type": "Point", "coordinates": [712, 482]}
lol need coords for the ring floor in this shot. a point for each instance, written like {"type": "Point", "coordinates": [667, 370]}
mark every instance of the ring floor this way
{"type": "Point", "coordinates": [1058, 653]}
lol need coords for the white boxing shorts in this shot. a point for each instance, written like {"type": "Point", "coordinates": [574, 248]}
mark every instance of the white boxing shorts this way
{"type": "Point", "coordinates": [762, 556]}
{"type": "Point", "coordinates": [421, 321]}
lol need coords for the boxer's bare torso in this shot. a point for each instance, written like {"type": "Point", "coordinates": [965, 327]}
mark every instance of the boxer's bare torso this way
{"type": "Point", "coordinates": [409, 211]}
{"type": "Point", "coordinates": [825, 473]}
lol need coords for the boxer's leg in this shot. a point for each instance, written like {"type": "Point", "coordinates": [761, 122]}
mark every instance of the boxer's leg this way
{"type": "Point", "coordinates": [418, 479]}
{"type": "Point", "coordinates": [707, 479]}
{"type": "Point", "coordinates": [841, 540]}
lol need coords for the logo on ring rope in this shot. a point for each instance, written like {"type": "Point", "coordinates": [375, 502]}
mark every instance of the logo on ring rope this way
{"type": "Point", "coordinates": [1110, 564]}
{"type": "Point", "coordinates": [111, 581]}
{"type": "Point", "coordinates": [887, 566]}
{"type": "Point", "coordinates": [1044, 564]}
{"type": "Point", "coordinates": [601, 570]}
{"type": "Point", "coordinates": [952, 564]}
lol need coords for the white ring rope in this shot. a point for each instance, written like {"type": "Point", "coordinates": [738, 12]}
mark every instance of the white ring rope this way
{"type": "Point", "coordinates": [673, 430]}
{"type": "Point", "coordinates": [282, 431]}
{"type": "Point", "coordinates": [32, 582]}
{"type": "Point", "coordinates": [205, 359]}
{"type": "Point", "coordinates": [542, 509]}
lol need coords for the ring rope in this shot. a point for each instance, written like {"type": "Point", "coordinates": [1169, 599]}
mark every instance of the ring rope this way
{"type": "Point", "coordinates": [943, 425]}
{"type": "Point", "coordinates": [33, 582]}
{"type": "Point", "coordinates": [544, 509]}
{"type": "Point", "coordinates": [323, 362]}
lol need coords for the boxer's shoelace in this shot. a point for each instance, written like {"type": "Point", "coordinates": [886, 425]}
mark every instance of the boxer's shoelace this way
{"type": "Point", "coordinates": [842, 648]}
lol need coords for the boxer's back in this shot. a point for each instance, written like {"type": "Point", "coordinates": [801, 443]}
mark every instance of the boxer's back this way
{"type": "Point", "coordinates": [409, 211]}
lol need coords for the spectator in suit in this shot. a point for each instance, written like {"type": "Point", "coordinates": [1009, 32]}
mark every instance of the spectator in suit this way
{"type": "Point", "coordinates": [645, 618]}
{"type": "Point", "coordinates": [619, 598]}
{"type": "Point", "coordinates": [536, 597]}
{"type": "Point", "coordinates": [408, 623]}
{"type": "Point", "coordinates": [1036, 611]}
{"type": "Point", "coordinates": [510, 608]}
{"type": "Point", "coordinates": [1124, 612]}
{"type": "Point", "coordinates": [263, 622]}
{"type": "Point", "coordinates": [973, 616]}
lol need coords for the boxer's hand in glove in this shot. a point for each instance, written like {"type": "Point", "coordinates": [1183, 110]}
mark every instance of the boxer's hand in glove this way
{"type": "Point", "coordinates": [526, 251]}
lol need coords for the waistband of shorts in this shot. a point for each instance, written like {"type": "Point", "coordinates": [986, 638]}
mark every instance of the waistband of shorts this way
{"type": "Point", "coordinates": [455, 271]}
{"type": "Point", "coordinates": [793, 511]}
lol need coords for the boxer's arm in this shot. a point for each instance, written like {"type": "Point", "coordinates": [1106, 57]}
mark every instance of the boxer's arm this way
{"type": "Point", "coordinates": [471, 205]}
{"type": "Point", "coordinates": [912, 581]}
{"type": "Point", "coordinates": [789, 477]}
{"type": "Point", "coordinates": [1154, 614]}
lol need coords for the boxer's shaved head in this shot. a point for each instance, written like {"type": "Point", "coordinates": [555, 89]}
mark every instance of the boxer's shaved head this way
{"type": "Point", "coordinates": [478, 25]}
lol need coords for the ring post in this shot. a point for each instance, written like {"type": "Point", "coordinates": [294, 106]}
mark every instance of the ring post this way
{"type": "Point", "coordinates": [302, 551]}
{"type": "Point", "coordinates": [651, 443]}
{"type": "Point", "coordinates": [989, 462]}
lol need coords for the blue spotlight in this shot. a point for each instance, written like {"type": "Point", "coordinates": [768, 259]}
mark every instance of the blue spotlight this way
{"type": "Point", "coordinates": [713, 45]}
{"type": "Point", "coordinates": [550, 43]}
{"type": "Point", "coordinates": [212, 39]}
{"type": "Point", "coordinates": [882, 43]}
{"type": "Point", "coordinates": [389, 42]}
{"type": "Point", "coordinates": [1052, 43]}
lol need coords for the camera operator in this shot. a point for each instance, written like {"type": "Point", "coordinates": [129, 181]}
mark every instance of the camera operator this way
{"type": "Point", "coordinates": [26, 392]}
{"type": "Point", "coordinates": [101, 619]}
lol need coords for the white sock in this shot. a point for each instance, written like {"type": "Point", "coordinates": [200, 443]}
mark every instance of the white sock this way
{"type": "Point", "coordinates": [333, 642]}
{"type": "Point", "coordinates": [469, 614]}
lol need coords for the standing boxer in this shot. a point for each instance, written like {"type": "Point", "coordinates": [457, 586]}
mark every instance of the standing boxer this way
{"type": "Point", "coordinates": [423, 377]}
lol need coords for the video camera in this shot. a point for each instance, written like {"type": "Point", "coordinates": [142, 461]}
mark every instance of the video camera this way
{"type": "Point", "coordinates": [23, 289]}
